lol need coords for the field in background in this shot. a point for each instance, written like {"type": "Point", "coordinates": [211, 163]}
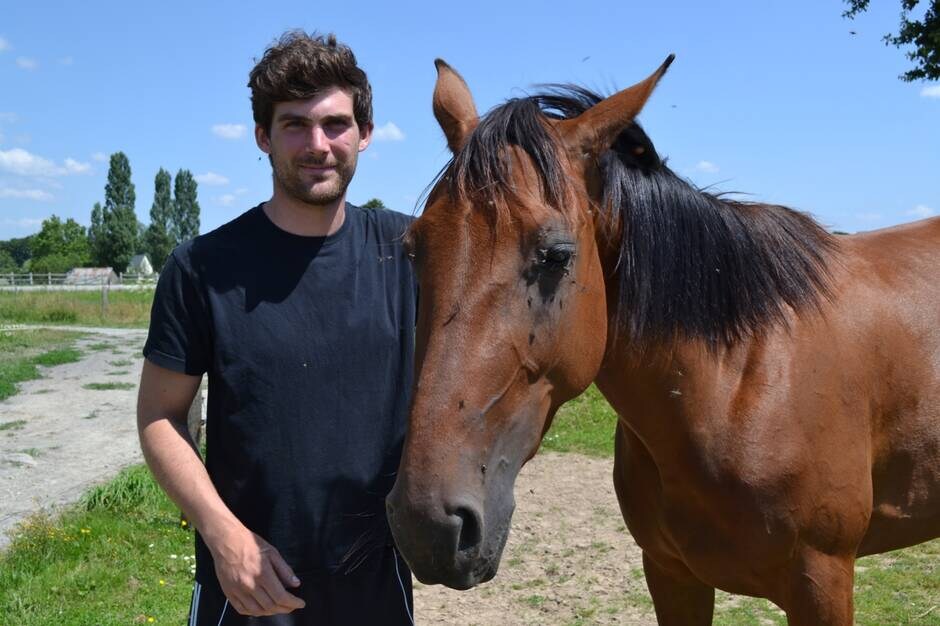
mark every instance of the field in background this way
{"type": "Point", "coordinates": [121, 308]}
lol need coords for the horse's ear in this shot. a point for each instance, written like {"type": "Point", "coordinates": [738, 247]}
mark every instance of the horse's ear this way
{"type": "Point", "coordinates": [595, 130]}
{"type": "Point", "coordinates": [453, 106]}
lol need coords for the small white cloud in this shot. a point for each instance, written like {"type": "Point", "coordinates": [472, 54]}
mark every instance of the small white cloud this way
{"type": "Point", "coordinates": [931, 91]}
{"type": "Point", "coordinates": [706, 166]}
{"type": "Point", "coordinates": [22, 222]}
{"type": "Point", "coordinates": [27, 63]}
{"type": "Point", "coordinates": [211, 178]}
{"type": "Point", "coordinates": [66, 61]}
{"type": "Point", "coordinates": [7, 117]}
{"type": "Point", "coordinates": [227, 199]}
{"type": "Point", "coordinates": [869, 217]}
{"type": "Point", "coordinates": [23, 163]}
{"type": "Point", "coordinates": [241, 191]}
{"type": "Point", "coordinates": [229, 131]}
{"type": "Point", "coordinates": [26, 194]}
{"type": "Point", "coordinates": [101, 157]}
{"type": "Point", "coordinates": [76, 167]}
{"type": "Point", "coordinates": [388, 132]}
{"type": "Point", "coordinates": [4, 45]}
{"type": "Point", "coordinates": [921, 211]}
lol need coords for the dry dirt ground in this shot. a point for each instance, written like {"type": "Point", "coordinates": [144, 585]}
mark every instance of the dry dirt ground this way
{"type": "Point", "coordinates": [569, 559]}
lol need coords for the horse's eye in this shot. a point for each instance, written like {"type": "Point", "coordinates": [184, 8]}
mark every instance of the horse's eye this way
{"type": "Point", "coordinates": [556, 257]}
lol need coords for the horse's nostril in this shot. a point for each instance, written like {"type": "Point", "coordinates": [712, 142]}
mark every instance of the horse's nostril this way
{"type": "Point", "coordinates": [471, 533]}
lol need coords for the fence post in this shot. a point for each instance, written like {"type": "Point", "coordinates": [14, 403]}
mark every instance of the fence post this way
{"type": "Point", "coordinates": [30, 279]}
{"type": "Point", "coordinates": [104, 299]}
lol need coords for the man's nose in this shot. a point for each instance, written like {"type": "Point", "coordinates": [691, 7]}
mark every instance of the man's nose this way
{"type": "Point", "coordinates": [318, 141]}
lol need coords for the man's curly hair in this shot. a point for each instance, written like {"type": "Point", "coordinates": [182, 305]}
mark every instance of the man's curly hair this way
{"type": "Point", "coordinates": [299, 66]}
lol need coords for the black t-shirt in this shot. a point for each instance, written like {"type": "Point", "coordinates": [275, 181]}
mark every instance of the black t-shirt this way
{"type": "Point", "coordinates": [309, 344]}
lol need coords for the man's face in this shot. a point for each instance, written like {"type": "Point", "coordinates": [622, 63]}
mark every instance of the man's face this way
{"type": "Point", "coordinates": [314, 145]}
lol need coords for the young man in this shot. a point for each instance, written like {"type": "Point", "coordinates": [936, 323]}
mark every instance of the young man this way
{"type": "Point", "coordinates": [302, 312]}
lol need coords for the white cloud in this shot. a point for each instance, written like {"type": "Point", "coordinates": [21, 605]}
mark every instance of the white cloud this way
{"type": "Point", "coordinates": [241, 191]}
{"type": "Point", "coordinates": [388, 132]}
{"type": "Point", "coordinates": [4, 44]}
{"type": "Point", "coordinates": [931, 91]}
{"type": "Point", "coordinates": [211, 178]}
{"type": "Point", "coordinates": [76, 167]}
{"type": "Point", "coordinates": [229, 131]}
{"type": "Point", "coordinates": [23, 163]}
{"type": "Point", "coordinates": [101, 157]}
{"type": "Point", "coordinates": [227, 199]}
{"type": "Point", "coordinates": [706, 166]}
{"type": "Point", "coordinates": [7, 117]}
{"type": "Point", "coordinates": [25, 194]}
{"type": "Point", "coordinates": [66, 61]}
{"type": "Point", "coordinates": [27, 63]}
{"type": "Point", "coordinates": [921, 211]}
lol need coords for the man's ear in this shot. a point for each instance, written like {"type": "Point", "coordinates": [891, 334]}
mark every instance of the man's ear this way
{"type": "Point", "coordinates": [365, 136]}
{"type": "Point", "coordinates": [262, 139]}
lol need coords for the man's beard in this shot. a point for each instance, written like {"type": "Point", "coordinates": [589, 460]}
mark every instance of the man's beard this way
{"type": "Point", "coordinates": [289, 176]}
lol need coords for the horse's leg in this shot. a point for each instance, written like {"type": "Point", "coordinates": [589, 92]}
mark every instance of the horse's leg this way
{"type": "Point", "coordinates": [821, 590]}
{"type": "Point", "coordinates": [678, 597]}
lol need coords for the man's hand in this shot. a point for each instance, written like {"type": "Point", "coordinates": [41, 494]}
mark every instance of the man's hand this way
{"type": "Point", "coordinates": [253, 575]}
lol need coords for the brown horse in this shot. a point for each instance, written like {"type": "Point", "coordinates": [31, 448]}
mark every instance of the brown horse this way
{"type": "Point", "coordinates": [776, 385]}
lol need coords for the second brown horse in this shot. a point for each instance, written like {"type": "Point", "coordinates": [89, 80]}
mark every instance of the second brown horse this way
{"type": "Point", "coordinates": [777, 387]}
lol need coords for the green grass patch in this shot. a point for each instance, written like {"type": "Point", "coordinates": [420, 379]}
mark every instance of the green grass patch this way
{"type": "Point", "coordinates": [118, 373]}
{"type": "Point", "coordinates": [120, 363]}
{"type": "Point", "coordinates": [22, 350]}
{"type": "Point", "coordinates": [108, 561]}
{"type": "Point", "coordinates": [97, 347]}
{"type": "Point", "coordinates": [125, 308]}
{"type": "Point", "coordinates": [14, 425]}
{"type": "Point", "coordinates": [585, 425]}
{"type": "Point", "coordinates": [108, 386]}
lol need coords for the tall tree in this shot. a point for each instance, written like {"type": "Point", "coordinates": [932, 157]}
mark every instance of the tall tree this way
{"type": "Point", "coordinates": [97, 236]}
{"type": "Point", "coordinates": [923, 35]}
{"type": "Point", "coordinates": [157, 240]}
{"type": "Point", "coordinates": [20, 249]}
{"type": "Point", "coordinates": [59, 246]}
{"type": "Point", "coordinates": [8, 264]}
{"type": "Point", "coordinates": [120, 221]}
{"type": "Point", "coordinates": [185, 207]}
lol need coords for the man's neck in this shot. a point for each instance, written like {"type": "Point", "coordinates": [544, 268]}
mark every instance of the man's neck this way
{"type": "Point", "coordinates": [300, 218]}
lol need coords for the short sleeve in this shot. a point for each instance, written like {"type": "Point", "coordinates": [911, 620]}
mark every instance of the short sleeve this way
{"type": "Point", "coordinates": [179, 338]}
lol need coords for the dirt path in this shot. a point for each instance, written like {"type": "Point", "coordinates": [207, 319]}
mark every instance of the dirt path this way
{"type": "Point", "coordinates": [569, 559]}
{"type": "Point", "coordinates": [69, 437]}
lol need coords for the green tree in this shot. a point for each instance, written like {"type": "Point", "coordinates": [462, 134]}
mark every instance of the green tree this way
{"type": "Point", "coordinates": [374, 203]}
{"type": "Point", "coordinates": [59, 246]}
{"type": "Point", "coordinates": [923, 35]}
{"type": "Point", "coordinates": [157, 240]}
{"type": "Point", "coordinates": [97, 237]}
{"type": "Point", "coordinates": [185, 223]}
{"type": "Point", "coordinates": [20, 249]}
{"type": "Point", "coordinates": [8, 264]}
{"type": "Point", "coordinates": [118, 217]}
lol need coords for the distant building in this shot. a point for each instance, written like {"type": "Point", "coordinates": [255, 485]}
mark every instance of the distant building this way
{"type": "Point", "coordinates": [91, 276]}
{"type": "Point", "coordinates": [140, 264]}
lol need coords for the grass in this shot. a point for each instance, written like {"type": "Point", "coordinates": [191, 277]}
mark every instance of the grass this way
{"type": "Point", "coordinates": [22, 351]}
{"type": "Point", "coordinates": [585, 425]}
{"type": "Point", "coordinates": [107, 561]}
{"type": "Point", "coordinates": [108, 386]}
{"type": "Point", "coordinates": [14, 425]}
{"type": "Point", "coordinates": [126, 308]}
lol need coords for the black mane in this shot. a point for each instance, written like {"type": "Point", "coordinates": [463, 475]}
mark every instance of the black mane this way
{"type": "Point", "coordinates": [692, 265]}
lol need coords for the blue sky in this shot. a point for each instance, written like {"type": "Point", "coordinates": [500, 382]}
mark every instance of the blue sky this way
{"type": "Point", "coordinates": [776, 99]}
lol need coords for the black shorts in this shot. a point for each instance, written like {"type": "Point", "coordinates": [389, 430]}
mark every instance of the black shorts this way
{"type": "Point", "coordinates": [378, 592]}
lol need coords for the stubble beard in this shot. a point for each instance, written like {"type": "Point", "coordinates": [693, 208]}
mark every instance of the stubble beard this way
{"type": "Point", "coordinates": [289, 176]}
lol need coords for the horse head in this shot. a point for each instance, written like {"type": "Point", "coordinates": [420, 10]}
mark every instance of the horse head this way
{"type": "Point", "coordinates": [512, 317]}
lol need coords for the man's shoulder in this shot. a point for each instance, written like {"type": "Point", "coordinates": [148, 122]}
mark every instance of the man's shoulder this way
{"type": "Point", "coordinates": [388, 223]}
{"type": "Point", "coordinates": [225, 239]}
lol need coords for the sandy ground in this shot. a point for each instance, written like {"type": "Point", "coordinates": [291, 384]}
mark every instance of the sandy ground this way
{"type": "Point", "coordinates": [73, 438]}
{"type": "Point", "coordinates": [569, 558]}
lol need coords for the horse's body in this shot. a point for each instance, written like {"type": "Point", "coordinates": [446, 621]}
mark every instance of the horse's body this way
{"type": "Point", "coordinates": [777, 387]}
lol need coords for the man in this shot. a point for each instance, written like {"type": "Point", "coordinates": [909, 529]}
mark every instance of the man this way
{"type": "Point", "coordinates": [302, 313]}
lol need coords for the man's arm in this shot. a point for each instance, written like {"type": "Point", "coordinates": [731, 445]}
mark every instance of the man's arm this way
{"type": "Point", "coordinates": [250, 570]}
